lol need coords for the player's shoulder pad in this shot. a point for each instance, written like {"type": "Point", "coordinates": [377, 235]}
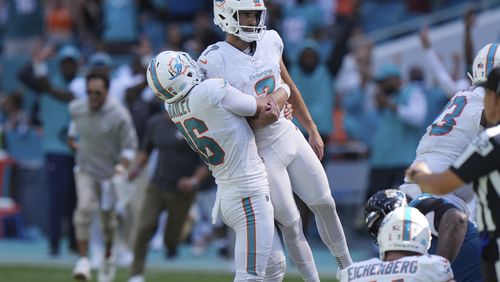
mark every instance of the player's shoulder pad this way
{"type": "Point", "coordinates": [214, 83]}
{"type": "Point", "coordinates": [215, 89]}
{"type": "Point", "coordinates": [438, 265]}
{"type": "Point", "coordinates": [211, 55]}
{"type": "Point", "coordinates": [426, 198]}
{"type": "Point", "coordinates": [273, 35]}
{"type": "Point", "coordinates": [423, 196]}
{"type": "Point", "coordinates": [429, 259]}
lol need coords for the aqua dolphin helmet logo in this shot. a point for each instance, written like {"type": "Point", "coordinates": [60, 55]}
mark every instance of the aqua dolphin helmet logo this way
{"type": "Point", "coordinates": [176, 67]}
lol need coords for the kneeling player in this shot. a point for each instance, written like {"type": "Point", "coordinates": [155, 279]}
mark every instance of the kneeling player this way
{"type": "Point", "coordinates": [404, 238]}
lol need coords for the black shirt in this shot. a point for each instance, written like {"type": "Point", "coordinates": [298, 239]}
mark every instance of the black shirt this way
{"type": "Point", "coordinates": [480, 164]}
{"type": "Point", "coordinates": [175, 157]}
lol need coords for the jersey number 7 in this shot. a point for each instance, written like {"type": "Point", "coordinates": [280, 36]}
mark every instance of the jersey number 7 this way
{"type": "Point", "coordinates": [208, 149]}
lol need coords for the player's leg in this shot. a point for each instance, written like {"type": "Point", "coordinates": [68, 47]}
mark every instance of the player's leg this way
{"type": "Point", "coordinates": [276, 267]}
{"type": "Point", "coordinates": [287, 214]}
{"type": "Point", "coordinates": [467, 264]}
{"type": "Point", "coordinates": [178, 205]}
{"type": "Point", "coordinates": [310, 183]}
{"type": "Point", "coordinates": [107, 201]}
{"type": "Point", "coordinates": [252, 220]}
{"type": "Point", "coordinates": [55, 181]}
{"type": "Point", "coordinates": [150, 211]}
{"type": "Point", "coordinates": [87, 204]}
{"type": "Point", "coordinates": [490, 259]}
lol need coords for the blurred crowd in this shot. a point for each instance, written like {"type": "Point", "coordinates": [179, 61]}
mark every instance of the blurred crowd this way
{"type": "Point", "coordinates": [48, 46]}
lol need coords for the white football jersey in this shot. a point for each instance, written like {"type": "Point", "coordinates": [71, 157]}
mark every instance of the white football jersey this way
{"type": "Point", "coordinates": [255, 75]}
{"type": "Point", "coordinates": [453, 130]}
{"type": "Point", "coordinates": [223, 140]}
{"type": "Point", "coordinates": [426, 268]}
{"type": "Point", "coordinates": [450, 133]}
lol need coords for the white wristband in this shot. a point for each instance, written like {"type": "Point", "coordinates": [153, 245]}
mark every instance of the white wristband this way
{"type": "Point", "coordinates": [286, 88]}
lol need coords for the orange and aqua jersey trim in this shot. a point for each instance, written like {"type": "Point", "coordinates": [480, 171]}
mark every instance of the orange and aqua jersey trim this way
{"type": "Point", "coordinates": [251, 236]}
{"type": "Point", "coordinates": [407, 225]}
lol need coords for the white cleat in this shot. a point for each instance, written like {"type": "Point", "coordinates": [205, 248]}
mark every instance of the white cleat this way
{"type": "Point", "coordinates": [107, 271]}
{"type": "Point", "coordinates": [82, 271]}
{"type": "Point", "coordinates": [137, 278]}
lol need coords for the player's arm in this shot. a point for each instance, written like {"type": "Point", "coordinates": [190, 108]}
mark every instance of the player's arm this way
{"type": "Point", "coordinates": [128, 146]}
{"type": "Point", "coordinates": [278, 97]}
{"type": "Point", "coordinates": [446, 221]}
{"type": "Point", "coordinates": [145, 150]}
{"type": "Point", "coordinates": [479, 159]}
{"type": "Point", "coordinates": [302, 113]}
{"type": "Point", "coordinates": [452, 228]}
{"type": "Point", "coordinates": [434, 183]}
{"type": "Point", "coordinates": [190, 184]}
{"type": "Point", "coordinates": [469, 21]}
{"type": "Point", "coordinates": [414, 112]}
{"type": "Point", "coordinates": [265, 109]}
{"type": "Point", "coordinates": [72, 136]}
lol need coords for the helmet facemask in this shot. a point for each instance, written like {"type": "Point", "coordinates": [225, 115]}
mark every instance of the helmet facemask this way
{"type": "Point", "coordinates": [227, 17]}
{"type": "Point", "coordinates": [250, 33]}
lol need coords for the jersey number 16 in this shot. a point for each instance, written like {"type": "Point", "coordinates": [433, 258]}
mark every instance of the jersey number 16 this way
{"type": "Point", "coordinates": [208, 149]}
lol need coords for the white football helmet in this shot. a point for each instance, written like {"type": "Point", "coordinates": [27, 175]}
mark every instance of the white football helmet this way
{"type": "Point", "coordinates": [486, 59]}
{"type": "Point", "coordinates": [226, 16]}
{"type": "Point", "coordinates": [172, 74]}
{"type": "Point", "coordinates": [404, 229]}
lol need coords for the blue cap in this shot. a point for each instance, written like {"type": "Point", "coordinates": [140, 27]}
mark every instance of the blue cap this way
{"type": "Point", "coordinates": [69, 52]}
{"type": "Point", "coordinates": [386, 71]}
{"type": "Point", "coordinates": [100, 59]}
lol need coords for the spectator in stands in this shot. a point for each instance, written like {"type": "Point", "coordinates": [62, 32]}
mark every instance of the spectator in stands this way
{"type": "Point", "coordinates": [15, 118]}
{"type": "Point", "coordinates": [402, 111]}
{"type": "Point", "coordinates": [178, 173]}
{"type": "Point", "coordinates": [88, 23]}
{"type": "Point", "coordinates": [357, 91]}
{"type": "Point", "coordinates": [103, 135]}
{"type": "Point", "coordinates": [59, 22]}
{"type": "Point", "coordinates": [184, 11]}
{"type": "Point", "coordinates": [120, 79]}
{"type": "Point", "coordinates": [443, 78]}
{"type": "Point", "coordinates": [120, 25]}
{"type": "Point", "coordinates": [299, 22]}
{"type": "Point", "coordinates": [23, 28]}
{"type": "Point", "coordinates": [175, 38]}
{"type": "Point", "coordinates": [139, 98]}
{"type": "Point", "coordinates": [435, 97]}
{"type": "Point", "coordinates": [54, 115]}
{"type": "Point", "coordinates": [203, 35]}
{"type": "Point", "coordinates": [315, 79]}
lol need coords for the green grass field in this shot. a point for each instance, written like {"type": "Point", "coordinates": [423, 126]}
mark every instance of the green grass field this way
{"type": "Point", "coordinates": [62, 274]}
